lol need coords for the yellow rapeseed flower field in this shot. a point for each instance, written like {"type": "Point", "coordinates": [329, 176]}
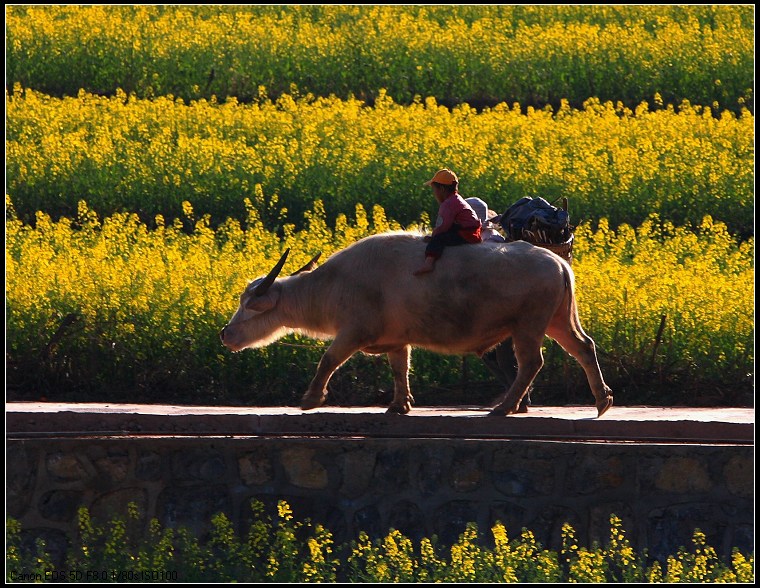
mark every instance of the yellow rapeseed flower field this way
{"type": "Point", "coordinates": [529, 54]}
{"type": "Point", "coordinates": [148, 156]}
{"type": "Point", "coordinates": [159, 157]}
{"type": "Point", "coordinates": [656, 297]}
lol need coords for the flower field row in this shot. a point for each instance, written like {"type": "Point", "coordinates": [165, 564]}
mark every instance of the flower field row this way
{"type": "Point", "coordinates": [286, 550]}
{"type": "Point", "coordinates": [533, 55]}
{"type": "Point", "coordinates": [112, 307]}
{"type": "Point", "coordinates": [122, 153]}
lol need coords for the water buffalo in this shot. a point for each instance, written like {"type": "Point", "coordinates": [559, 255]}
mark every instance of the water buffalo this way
{"type": "Point", "coordinates": [366, 298]}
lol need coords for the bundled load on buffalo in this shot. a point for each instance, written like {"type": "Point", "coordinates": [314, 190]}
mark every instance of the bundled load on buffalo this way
{"type": "Point", "coordinates": [538, 222]}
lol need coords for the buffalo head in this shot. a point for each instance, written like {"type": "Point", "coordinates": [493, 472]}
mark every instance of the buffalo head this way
{"type": "Point", "coordinates": [255, 323]}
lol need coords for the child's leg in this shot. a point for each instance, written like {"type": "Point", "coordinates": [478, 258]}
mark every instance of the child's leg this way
{"type": "Point", "coordinates": [426, 267]}
{"type": "Point", "coordinates": [433, 251]}
{"type": "Point", "coordinates": [435, 248]}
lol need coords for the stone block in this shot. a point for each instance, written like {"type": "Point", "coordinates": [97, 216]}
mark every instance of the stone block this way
{"type": "Point", "coordinates": [20, 479]}
{"type": "Point", "coordinates": [302, 469]}
{"type": "Point", "coordinates": [739, 474]}
{"type": "Point", "coordinates": [150, 466]}
{"type": "Point", "coordinates": [430, 468]}
{"type": "Point", "coordinates": [524, 477]}
{"type": "Point", "coordinates": [589, 474]}
{"type": "Point", "coordinates": [206, 465]}
{"type": "Point", "coordinates": [67, 467]}
{"type": "Point", "coordinates": [391, 471]}
{"type": "Point", "coordinates": [466, 472]}
{"type": "Point", "coordinates": [113, 468]}
{"type": "Point", "coordinates": [60, 505]}
{"type": "Point", "coordinates": [256, 468]}
{"type": "Point", "coordinates": [357, 468]}
{"type": "Point", "coordinates": [683, 475]}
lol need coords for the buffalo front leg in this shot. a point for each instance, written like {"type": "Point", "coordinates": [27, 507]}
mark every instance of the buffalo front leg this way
{"type": "Point", "coordinates": [402, 396]}
{"type": "Point", "coordinates": [336, 355]}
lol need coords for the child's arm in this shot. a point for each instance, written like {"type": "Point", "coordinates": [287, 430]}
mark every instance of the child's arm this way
{"type": "Point", "coordinates": [445, 219]}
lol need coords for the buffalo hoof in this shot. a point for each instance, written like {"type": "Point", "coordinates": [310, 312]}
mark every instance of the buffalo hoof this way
{"type": "Point", "coordinates": [502, 409]}
{"type": "Point", "coordinates": [603, 406]}
{"type": "Point", "coordinates": [399, 408]}
{"type": "Point", "coordinates": [309, 402]}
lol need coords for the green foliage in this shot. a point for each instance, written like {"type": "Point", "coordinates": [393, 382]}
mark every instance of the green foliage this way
{"type": "Point", "coordinates": [288, 551]}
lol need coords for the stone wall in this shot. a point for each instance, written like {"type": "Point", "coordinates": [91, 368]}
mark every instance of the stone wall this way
{"type": "Point", "coordinates": [662, 492]}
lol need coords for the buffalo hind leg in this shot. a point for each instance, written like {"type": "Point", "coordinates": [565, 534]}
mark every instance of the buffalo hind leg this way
{"type": "Point", "coordinates": [336, 355]}
{"type": "Point", "coordinates": [502, 363]}
{"type": "Point", "coordinates": [529, 362]}
{"type": "Point", "coordinates": [402, 396]}
{"type": "Point", "coordinates": [583, 349]}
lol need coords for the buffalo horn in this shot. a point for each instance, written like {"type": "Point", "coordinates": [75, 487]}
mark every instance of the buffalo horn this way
{"type": "Point", "coordinates": [309, 266]}
{"type": "Point", "coordinates": [263, 286]}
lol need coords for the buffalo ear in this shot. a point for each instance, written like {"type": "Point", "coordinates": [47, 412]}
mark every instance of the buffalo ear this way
{"type": "Point", "coordinates": [309, 266]}
{"type": "Point", "coordinates": [264, 302]}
